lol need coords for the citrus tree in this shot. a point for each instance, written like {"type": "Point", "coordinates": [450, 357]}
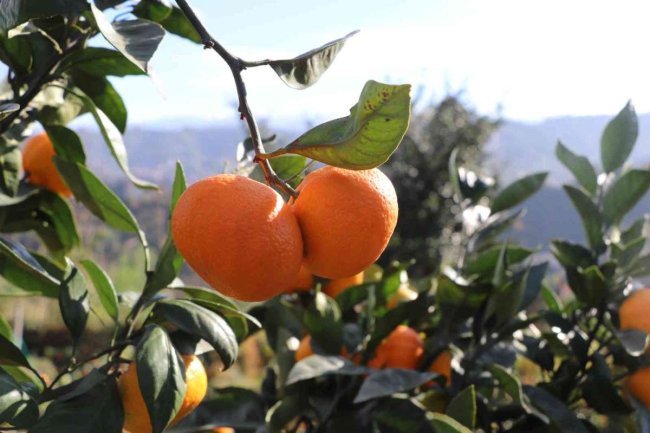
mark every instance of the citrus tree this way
{"type": "Point", "coordinates": [237, 233]}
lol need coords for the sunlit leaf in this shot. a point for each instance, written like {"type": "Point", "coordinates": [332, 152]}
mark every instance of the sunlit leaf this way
{"type": "Point", "coordinates": [618, 138]}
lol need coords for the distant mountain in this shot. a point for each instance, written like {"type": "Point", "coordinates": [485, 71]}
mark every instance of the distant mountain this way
{"type": "Point", "coordinates": [519, 148]}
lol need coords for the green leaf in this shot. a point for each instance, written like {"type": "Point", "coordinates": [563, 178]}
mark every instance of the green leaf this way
{"type": "Point", "coordinates": [627, 254]}
{"type": "Point", "coordinates": [5, 329]}
{"type": "Point", "coordinates": [462, 407]}
{"type": "Point", "coordinates": [572, 255]}
{"type": "Point", "coordinates": [580, 167]}
{"type": "Point", "coordinates": [589, 214]}
{"type": "Point", "coordinates": [105, 97]}
{"type": "Point", "coordinates": [160, 376]}
{"type": "Point", "coordinates": [496, 225]}
{"type": "Point", "coordinates": [169, 262]}
{"type": "Point", "coordinates": [600, 392]}
{"type": "Point", "coordinates": [552, 300]}
{"type": "Point", "coordinates": [317, 366]}
{"type": "Point", "coordinates": [305, 70]}
{"type": "Point", "coordinates": [67, 143]}
{"type": "Point", "coordinates": [174, 22]}
{"type": "Point", "coordinates": [10, 167]}
{"type": "Point", "coordinates": [104, 288]}
{"type": "Point", "coordinates": [15, 12]}
{"type": "Point", "coordinates": [501, 267]}
{"type": "Point", "coordinates": [382, 383]}
{"type": "Point", "coordinates": [446, 424]}
{"type": "Point", "coordinates": [208, 295]}
{"type": "Point", "coordinates": [533, 279]}
{"type": "Point", "coordinates": [74, 302]}
{"type": "Point", "coordinates": [113, 139]}
{"type": "Point", "coordinates": [518, 191]}
{"type": "Point", "coordinates": [237, 319]}
{"type": "Point", "coordinates": [137, 40]}
{"type": "Point", "coordinates": [588, 284]}
{"type": "Point", "coordinates": [96, 196]}
{"type": "Point", "coordinates": [288, 167]}
{"type": "Point", "coordinates": [17, 408]}
{"type": "Point", "coordinates": [100, 62]}
{"type": "Point", "coordinates": [199, 321]}
{"type": "Point", "coordinates": [639, 228]}
{"type": "Point", "coordinates": [624, 194]}
{"type": "Point", "coordinates": [154, 10]}
{"type": "Point", "coordinates": [97, 410]}
{"type": "Point", "coordinates": [509, 383]}
{"type": "Point", "coordinates": [11, 355]}
{"type": "Point", "coordinates": [618, 138]}
{"type": "Point", "coordinates": [560, 416]}
{"type": "Point", "coordinates": [485, 262]}
{"type": "Point", "coordinates": [323, 322]}
{"type": "Point", "coordinates": [367, 137]}
{"type": "Point", "coordinates": [22, 270]}
{"type": "Point", "coordinates": [7, 109]}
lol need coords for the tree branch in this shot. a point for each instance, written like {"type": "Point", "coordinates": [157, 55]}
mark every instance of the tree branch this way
{"type": "Point", "coordinates": [236, 66]}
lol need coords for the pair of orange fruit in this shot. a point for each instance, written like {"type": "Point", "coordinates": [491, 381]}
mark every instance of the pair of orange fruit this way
{"type": "Point", "coordinates": [241, 237]}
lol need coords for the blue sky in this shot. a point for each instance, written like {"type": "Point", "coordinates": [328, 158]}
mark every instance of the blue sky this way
{"type": "Point", "coordinates": [531, 59]}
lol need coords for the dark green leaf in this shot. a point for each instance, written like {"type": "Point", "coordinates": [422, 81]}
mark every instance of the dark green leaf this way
{"type": "Point", "coordinates": [11, 355]}
{"type": "Point", "coordinates": [305, 70]}
{"type": "Point", "coordinates": [284, 411]}
{"type": "Point", "coordinates": [496, 225]}
{"type": "Point", "coordinates": [5, 329]}
{"type": "Point", "coordinates": [323, 322]}
{"type": "Point", "coordinates": [207, 295]}
{"type": "Point", "coordinates": [462, 407]}
{"type": "Point", "coordinates": [15, 12]}
{"type": "Point", "coordinates": [627, 254]}
{"type": "Point", "coordinates": [67, 143]}
{"type": "Point", "coordinates": [509, 383]}
{"type": "Point", "coordinates": [367, 137]}
{"type": "Point", "coordinates": [316, 366]}
{"type": "Point", "coordinates": [392, 415]}
{"type": "Point", "coordinates": [382, 383]}
{"type": "Point", "coordinates": [154, 10]}
{"type": "Point", "coordinates": [105, 97]}
{"type": "Point", "coordinates": [17, 408]}
{"type": "Point", "coordinates": [618, 138]}
{"type": "Point", "coordinates": [21, 269]}
{"type": "Point", "coordinates": [10, 166]}
{"type": "Point", "coordinates": [589, 214]}
{"type": "Point", "coordinates": [499, 274]}
{"type": "Point", "coordinates": [533, 280]}
{"type": "Point", "coordinates": [100, 62]}
{"type": "Point", "coordinates": [174, 22]}
{"type": "Point", "coordinates": [626, 192]}
{"type": "Point", "coordinates": [486, 261]}
{"type": "Point", "coordinates": [96, 196]}
{"type": "Point", "coordinates": [600, 392]}
{"type": "Point", "coordinates": [74, 302]}
{"type": "Point", "coordinates": [7, 109]}
{"type": "Point", "coordinates": [588, 284]}
{"type": "Point", "coordinates": [137, 40]}
{"type": "Point", "coordinates": [446, 424]}
{"type": "Point", "coordinates": [560, 416]}
{"type": "Point", "coordinates": [518, 191]}
{"type": "Point", "coordinates": [161, 376]}
{"type": "Point", "coordinates": [637, 229]}
{"type": "Point", "coordinates": [113, 139]}
{"type": "Point", "coordinates": [552, 300]}
{"type": "Point", "coordinates": [580, 167]}
{"type": "Point", "coordinates": [169, 262]}
{"type": "Point", "coordinates": [98, 410]}
{"type": "Point", "coordinates": [104, 287]}
{"type": "Point", "coordinates": [201, 322]}
{"type": "Point", "coordinates": [571, 255]}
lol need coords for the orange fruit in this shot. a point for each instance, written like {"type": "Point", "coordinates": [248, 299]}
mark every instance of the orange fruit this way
{"type": "Point", "coordinates": [635, 311]}
{"type": "Point", "coordinates": [304, 349]}
{"type": "Point", "coordinates": [239, 236]}
{"type": "Point", "coordinates": [638, 385]}
{"type": "Point", "coordinates": [38, 164]}
{"type": "Point", "coordinates": [403, 294]}
{"type": "Point", "coordinates": [334, 287]}
{"type": "Point", "coordinates": [442, 365]}
{"type": "Point", "coordinates": [223, 430]}
{"type": "Point", "coordinates": [346, 218]}
{"type": "Point", "coordinates": [403, 348]}
{"type": "Point", "coordinates": [302, 282]}
{"type": "Point", "coordinates": [136, 416]}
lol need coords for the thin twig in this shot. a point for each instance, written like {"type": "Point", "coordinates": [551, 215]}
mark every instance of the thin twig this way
{"type": "Point", "coordinates": [236, 66]}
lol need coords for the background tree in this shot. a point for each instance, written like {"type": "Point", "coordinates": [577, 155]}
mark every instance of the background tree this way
{"type": "Point", "coordinates": [419, 169]}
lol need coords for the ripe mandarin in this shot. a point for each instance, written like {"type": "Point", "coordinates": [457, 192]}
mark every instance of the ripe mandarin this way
{"type": "Point", "coordinates": [302, 282]}
{"type": "Point", "coordinates": [304, 350]}
{"type": "Point", "coordinates": [39, 167]}
{"type": "Point", "coordinates": [334, 287]}
{"type": "Point", "coordinates": [239, 236]}
{"type": "Point", "coordinates": [346, 218]}
{"type": "Point", "coordinates": [136, 415]}
{"type": "Point", "coordinates": [634, 311]}
{"type": "Point", "coordinates": [442, 365]}
{"type": "Point", "coordinates": [403, 348]}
